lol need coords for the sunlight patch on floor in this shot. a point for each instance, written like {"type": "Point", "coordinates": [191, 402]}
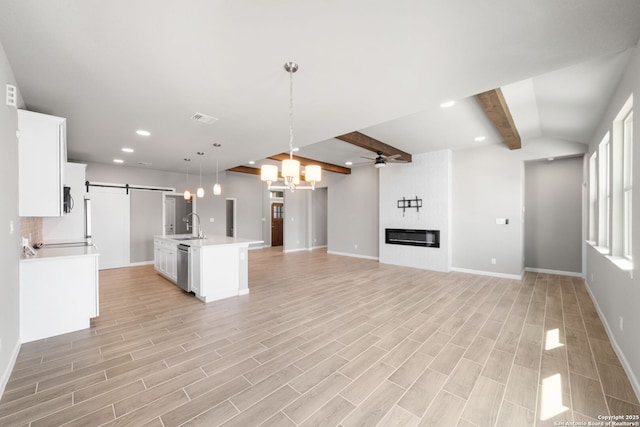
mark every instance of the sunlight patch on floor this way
{"type": "Point", "coordinates": [551, 399]}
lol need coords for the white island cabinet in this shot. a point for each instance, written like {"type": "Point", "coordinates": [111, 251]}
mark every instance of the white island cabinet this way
{"type": "Point", "coordinates": [166, 258]}
{"type": "Point", "coordinates": [58, 291]}
{"type": "Point", "coordinates": [218, 266]}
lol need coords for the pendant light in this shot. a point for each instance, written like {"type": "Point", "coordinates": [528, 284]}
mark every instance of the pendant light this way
{"type": "Point", "coordinates": [187, 193]}
{"type": "Point", "coordinates": [290, 168]}
{"type": "Point", "coordinates": [217, 189]}
{"type": "Point", "coordinates": [200, 191]}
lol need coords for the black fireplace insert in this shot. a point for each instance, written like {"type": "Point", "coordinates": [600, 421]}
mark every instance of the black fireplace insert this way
{"type": "Point", "coordinates": [399, 236]}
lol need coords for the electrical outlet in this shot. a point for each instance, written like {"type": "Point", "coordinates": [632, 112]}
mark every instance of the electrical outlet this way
{"type": "Point", "coordinates": [355, 246]}
{"type": "Point", "coordinates": [11, 227]}
{"type": "Point", "coordinates": [493, 260]}
{"type": "Point", "coordinates": [621, 324]}
{"type": "Point", "coordinates": [210, 219]}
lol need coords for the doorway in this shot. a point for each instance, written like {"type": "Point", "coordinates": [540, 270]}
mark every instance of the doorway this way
{"type": "Point", "coordinates": [231, 217]}
{"type": "Point", "coordinates": [277, 224]}
{"type": "Point", "coordinates": [169, 215]}
{"type": "Point", "coordinates": [175, 210]}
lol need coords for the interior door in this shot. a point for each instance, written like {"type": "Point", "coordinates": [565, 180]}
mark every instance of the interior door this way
{"type": "Point", "coordinates": [110, 218]}
{"type": "Point", "coordinates": [277, 224]}
{"type": "Point", "coordinates": [169, 215]}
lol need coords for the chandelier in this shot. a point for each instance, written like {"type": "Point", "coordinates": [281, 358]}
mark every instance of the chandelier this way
{"type": "Point", "coordinates": [290, 168]}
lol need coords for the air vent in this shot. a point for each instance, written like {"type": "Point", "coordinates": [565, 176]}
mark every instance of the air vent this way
{"type": "Point", "coordinates": [11, 95]}
{"type": "Point", "coordinates": [203, 118]}
{"type": "Point", "coordinates": [144, 163]}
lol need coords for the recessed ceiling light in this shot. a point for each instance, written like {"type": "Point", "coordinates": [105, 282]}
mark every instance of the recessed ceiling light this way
{"type": "Point", "coordinates": [479, 138]}
{"type": "Point", "coordinates": [551, 159]}
{"type": "Point", "coordinates": [447, 104]}
{"type": "Point", "coordinates": [127, 150]}
{"type": "Point", "coordinates": [251, 162]}
{"type": "Point", "coordinates": [296, 149]}
{"type": "Point", "coordinates": [143, 132]}
{"type": "Point", "coordinates": [118, 161]}
{"type": "Point", "coordinates": [348, 163]}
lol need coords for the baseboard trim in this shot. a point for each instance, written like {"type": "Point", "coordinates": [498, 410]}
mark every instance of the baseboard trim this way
{"type": "Point", "coordinates": [625, 363]}
{"type": "Point", "coordinates": [7, 373]}
{"type": "Point", "coordinates": [289, 251]}
{"type": "Point", "coordinates": [316, 247]}
{"type": "Point", "coordinates": [138, 264]}
{"type": "Point", "coordinates": [374, 258]}
{"type": "Point", "coordinates": [243, 292]}
{"type": "Point", "coordinates": [487, 273]}
{"type": "Point", "coordinates": [556, 272]}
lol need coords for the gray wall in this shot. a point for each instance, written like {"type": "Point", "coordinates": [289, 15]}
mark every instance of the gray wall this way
{"type": "Point", "coordinates": [144, 225]}
{"type": "Point", "coordinates": [353, 212]}
{"type": "Point", "coordinates": [488, 183]}
{"type": "Point", "coordinates": [9, 242]}
{"type": "Point", "coordinates": [319, 218]}
{"type": "Point", "coordinates": [616, 293]}
{"type": "Point", "coordinates": [297, 212]}
{"type": "Point", "coordinates": [553, 215]}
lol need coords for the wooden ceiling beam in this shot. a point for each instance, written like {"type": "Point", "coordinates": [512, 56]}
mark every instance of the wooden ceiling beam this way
{"type": "Point", "coordinates": [364, 141]}
{"type": "Point", "coordinates": [245, 169]}
{"type": "Point", "coordinates": [304, 162]}
{"type": "Point", "coordinates": [495, 107]}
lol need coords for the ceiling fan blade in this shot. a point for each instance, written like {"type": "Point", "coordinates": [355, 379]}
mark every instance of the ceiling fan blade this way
{"type": "Point", "coordinates": [396, 160]}
{"type": "Point", "coordinates": [368, 158]}
{"type": "Point", "coordinates": [395, 156]}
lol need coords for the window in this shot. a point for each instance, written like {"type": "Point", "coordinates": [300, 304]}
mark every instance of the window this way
{"type": "Point", "coordinates": [627, 184]}
{"type": "Point", "coordinates": [604, 193]}
{"type": "Point", "coordinates": [611, 191]}
{"type": "Point", "coordinates": [593, 196]}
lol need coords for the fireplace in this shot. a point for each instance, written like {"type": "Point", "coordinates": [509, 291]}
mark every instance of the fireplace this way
{"type": "Point", "coordinates": [425, 238]}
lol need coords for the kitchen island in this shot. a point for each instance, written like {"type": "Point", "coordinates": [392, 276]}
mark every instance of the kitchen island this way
{"type": "Point", "coordinates": [217, 266]}
{"type": "Point", "coordinates": [58, 291]}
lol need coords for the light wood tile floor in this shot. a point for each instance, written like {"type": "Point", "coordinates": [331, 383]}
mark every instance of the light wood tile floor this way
{"type": "Point", "coordinates": [327, 340]}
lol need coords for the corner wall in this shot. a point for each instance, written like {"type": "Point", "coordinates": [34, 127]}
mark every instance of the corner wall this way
{"type": "Point", "coordinates": [10, 240]}
{"type": "Point", "coordinates": [488, 183]}
{"type": "Point", "coordinates": [352, 218]}
{"type": "Point", "coordinates": [617, 293]}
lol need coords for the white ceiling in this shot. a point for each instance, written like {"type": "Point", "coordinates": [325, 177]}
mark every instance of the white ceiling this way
{"type": "Point", "coordinates": [378, 67]}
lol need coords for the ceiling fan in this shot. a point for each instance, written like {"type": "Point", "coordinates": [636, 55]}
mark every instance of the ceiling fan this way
{"type": "Point", "coordinates": [382, 160]}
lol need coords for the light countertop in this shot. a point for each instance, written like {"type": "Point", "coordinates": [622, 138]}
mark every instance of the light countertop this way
{"type": "Point", "coordinates": [209, 241]}
{"type": "Point", "coordinates": [57, 252]}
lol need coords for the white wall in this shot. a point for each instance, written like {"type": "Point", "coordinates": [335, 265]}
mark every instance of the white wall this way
{"type": "Point", "coordinates": [488, 183]}
{"type": "Point", "coordinates": [616, 294]}
{"type": "Point", "coordinates": [352, 203]}
{"type": "Point", "coordinates": [427, 177]}
{"type": "Point", "coordinates": [9, 240]}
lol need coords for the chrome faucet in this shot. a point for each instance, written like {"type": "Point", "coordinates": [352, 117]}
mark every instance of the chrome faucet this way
{"type": "Point", "coordinates": [200, 235]}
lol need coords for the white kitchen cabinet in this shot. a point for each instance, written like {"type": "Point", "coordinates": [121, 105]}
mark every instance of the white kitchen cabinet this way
{"type": "Point", "coordinates": [42, 157]}
{"type": "Point", "coordinates": [72, 224]}
{"type": "Point", "coordinates": [58, 292]}
{"type": "Point", "coordinates": [166, 258]}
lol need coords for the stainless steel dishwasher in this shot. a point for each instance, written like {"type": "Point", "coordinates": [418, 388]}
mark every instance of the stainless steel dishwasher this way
{"type": "Point", "coordinates": [183, 267]}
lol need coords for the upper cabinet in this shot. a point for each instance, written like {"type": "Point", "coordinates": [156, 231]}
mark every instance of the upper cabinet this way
{"type": "Point", "coordinates": [42, 158]}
